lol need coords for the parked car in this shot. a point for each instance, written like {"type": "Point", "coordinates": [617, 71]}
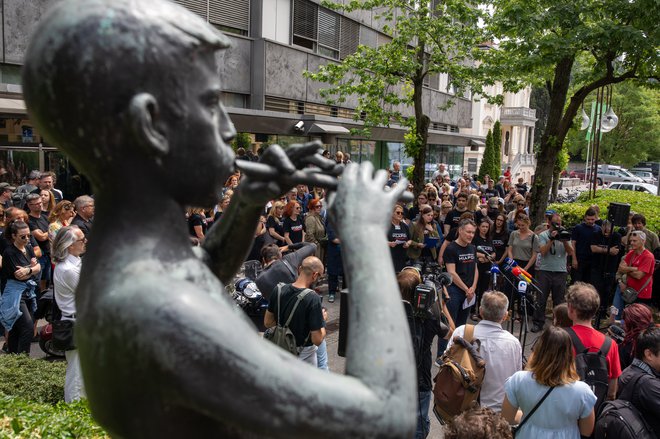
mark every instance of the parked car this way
{"type": "Point", "coordinates": [632, 186]}
{"type": "Point", "coordinates": [607, 174]}
{"type": "Point", "coordinates": [646, 174]}
{"type": "Point", "coordinates": [654, 166]}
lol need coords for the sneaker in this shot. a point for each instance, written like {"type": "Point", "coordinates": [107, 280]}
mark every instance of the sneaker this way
{"type": "Point", "coordinates": [331, 298]}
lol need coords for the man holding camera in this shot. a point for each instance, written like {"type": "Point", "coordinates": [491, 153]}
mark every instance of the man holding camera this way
{"type": "Point", "coordinates": [423, 328]}
{"type": "Point", "coordinates": [554, 246]}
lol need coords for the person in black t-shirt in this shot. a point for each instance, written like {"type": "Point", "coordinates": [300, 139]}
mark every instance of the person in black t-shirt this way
{"type": "Point", "coordinates": [499, 237]}
{"type": "Point", "coordinates": [490, 190]}
{"type": "Point", "coordinates": [38, 222]}
{"type": "Point", "coordinates": [606, 250]}
{"type": "Point", "coordinates": [196, 223]}
{"type": "Point", "coordinates": [19, 268]}
{"type": "Point", "coordinates": [398, 238]}
{"type": "Point", "coordinates": [307, 323]}
{"type": "Point", "coordinates": [453, 217]}
{"type": "Point", "coordinates": [275, 224]}
{"type": "Point", "coordinates": [294, 229]}
{"type": "Point", "coordinates": [461, 261]}
{"type": "Point", "coordinates": [482, 239]}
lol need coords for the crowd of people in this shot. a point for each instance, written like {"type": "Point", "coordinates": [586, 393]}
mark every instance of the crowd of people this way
{"type": "Point", "coordinates": [42, 238]}
{"type": "Point", "coordinates": [583, 271]}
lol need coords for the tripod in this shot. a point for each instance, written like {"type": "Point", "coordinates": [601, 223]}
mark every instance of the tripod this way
{"type": "Point", "coordinates": [524, 324]}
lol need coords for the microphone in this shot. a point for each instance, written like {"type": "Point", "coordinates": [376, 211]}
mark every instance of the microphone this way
{"type": "Point", "coordinates": [482, 250]}
{"type": "Point", "coordinates": [521, 274]}
{"type": "Point", "coordinates": [494, 269]}
{"type": "Point", "coordinates": [522, 287]}
{"type": "Point", "coordinates": [522, 271]}
{"type": "Point", "coordinates": [509, 264]}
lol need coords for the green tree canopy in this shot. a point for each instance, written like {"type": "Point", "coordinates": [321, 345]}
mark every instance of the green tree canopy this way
{"type": "Point", "coordinates": [427, 37]}
{"type": "Point", "coordinates": [540, 42]}
{"type": "Point", "coordinates": [636, 137]}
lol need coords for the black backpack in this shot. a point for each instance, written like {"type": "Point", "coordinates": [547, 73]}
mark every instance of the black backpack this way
{"type": "Point", "coordinates": [620, 419]}
{"type": "Point", "coordinates": [592, 366]}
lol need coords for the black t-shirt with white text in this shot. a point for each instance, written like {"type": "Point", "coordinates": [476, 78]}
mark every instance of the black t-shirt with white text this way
{"type": "Point", "coordinates": [465, 260]}
{"type": "Point", "coordinates": [400, 234]}
{"type": "Point", "coordinates": [453, 217]}
{"type": "Point", "coordinates": [500, 242]}
{"type": "Point", "coordinates": [295, 229]}
{"type": "Point", "coordinates": [487, 244]}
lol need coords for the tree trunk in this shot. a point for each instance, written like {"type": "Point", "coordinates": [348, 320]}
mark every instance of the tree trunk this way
{"type": "Point", "coordinates": [422, 123]}
{"type": "Point", "coordinates": [555, 186]}
{"type": "Point", "coordinates": [551, 142]}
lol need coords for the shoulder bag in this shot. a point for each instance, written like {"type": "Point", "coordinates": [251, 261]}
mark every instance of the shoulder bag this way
{"type": "Point", "coordinates": [62, 329]}
{"type": "Point", "coordinates": [516, 428]}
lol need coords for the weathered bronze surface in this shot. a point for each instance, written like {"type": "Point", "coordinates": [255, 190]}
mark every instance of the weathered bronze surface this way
{"type": "Point", "coordinates": [129, 90]}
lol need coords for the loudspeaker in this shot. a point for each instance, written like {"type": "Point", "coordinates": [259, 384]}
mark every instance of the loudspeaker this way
{"type": "Point", "coordinates": [617, 214]}
{"type": "Point", "coordinates": [343, 323]}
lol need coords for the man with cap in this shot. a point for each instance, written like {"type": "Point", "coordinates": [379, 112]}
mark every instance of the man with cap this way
{"type": "Point", "coordinates": [6, 191]}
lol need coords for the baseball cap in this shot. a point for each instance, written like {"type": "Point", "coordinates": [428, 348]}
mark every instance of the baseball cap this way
{"type": "Point", "coordinates": [6, 186]}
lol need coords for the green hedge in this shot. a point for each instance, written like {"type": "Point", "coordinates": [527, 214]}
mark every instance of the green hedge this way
{"type": "Point", "coordinates": [646, 204]}
{"type": "Point", "coordinates": [27, 419]}
{"type": "Point", "coordinates": [32, 402]}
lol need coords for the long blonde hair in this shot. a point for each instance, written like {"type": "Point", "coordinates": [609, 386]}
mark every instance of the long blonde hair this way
{"type": "Point", "coordinates": [552, 362]}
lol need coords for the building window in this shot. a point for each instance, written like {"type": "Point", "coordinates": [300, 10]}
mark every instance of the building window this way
{"type": "Point", "coordinates": [324, 31]}
{"type": "Point", "coordinates": [226, 15]}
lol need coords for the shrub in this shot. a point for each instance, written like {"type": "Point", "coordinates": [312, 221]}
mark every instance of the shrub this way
{"type": "Point", "coordinates": [646, 204]}
{"type": "Point", "coordinates": [31, 379]}
{"type": "Point", "coordinates": [26, 419]}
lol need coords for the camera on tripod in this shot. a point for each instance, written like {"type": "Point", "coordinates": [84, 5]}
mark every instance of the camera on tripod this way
{"type": "Point", "coordinates": [562, 233]}
{"type": "Point", "coordinates": [426, 293]}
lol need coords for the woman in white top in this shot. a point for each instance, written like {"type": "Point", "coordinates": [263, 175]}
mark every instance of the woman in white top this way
{"type": "Point", "coordinates": [568, 410]}
{"type": "Point", "coordinates": [68, 245]}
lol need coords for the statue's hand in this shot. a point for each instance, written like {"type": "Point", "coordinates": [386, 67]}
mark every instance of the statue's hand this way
{"type": "Point", "coordinates": [362, 199]}
{"type": "Point", "coordinates": [279, 170]}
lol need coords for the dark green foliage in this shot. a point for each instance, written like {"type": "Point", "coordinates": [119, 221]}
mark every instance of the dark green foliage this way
{"type": "Point", "coordinates": [32, 402]}
{"type": "Point", "coordinates": [242, 140]}
{"type": "Point", "coordinates": [646, 204]}
{"type": "Point", "coordinates": [497, 148]}
{"type": "Point", "coordinates": [490, 163]}
{"type": "Point", "coordinates": [30, 379]}
{"type": "Point", "coordinates": [26, 419]}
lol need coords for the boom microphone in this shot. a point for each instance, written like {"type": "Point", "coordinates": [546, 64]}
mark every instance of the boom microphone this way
{"type": "Point", "coordinates": [482, 250]}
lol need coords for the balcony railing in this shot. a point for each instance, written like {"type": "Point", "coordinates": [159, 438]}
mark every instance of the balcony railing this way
{"type": "Point", "coordinates": [518, 112]}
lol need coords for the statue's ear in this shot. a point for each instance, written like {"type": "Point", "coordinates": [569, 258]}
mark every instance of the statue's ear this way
{"type": "Point", "coordinates": [144, 116]}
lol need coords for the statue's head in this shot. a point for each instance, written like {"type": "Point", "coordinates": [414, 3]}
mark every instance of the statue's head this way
{"type": "Point", "coordinates": [121, 85]}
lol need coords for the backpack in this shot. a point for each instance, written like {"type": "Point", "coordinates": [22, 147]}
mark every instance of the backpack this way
{"type": "Point", "coordinates": [620, 419]}
{"type": "Point", "coordinates": [458, 382]}
{"type": "Point", "coordinates": [592, 366]}
{"type": "Point", "coordinates": [281, 335]}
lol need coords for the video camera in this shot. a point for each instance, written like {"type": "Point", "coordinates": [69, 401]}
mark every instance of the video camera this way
{"type": "Point", "coordinates": [562, 233]}
{"type": "Point", "coordinates": [426, 293]}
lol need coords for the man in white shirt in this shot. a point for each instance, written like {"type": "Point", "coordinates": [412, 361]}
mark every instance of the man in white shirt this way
{"type": "Point", "coordinates": [501, 350]}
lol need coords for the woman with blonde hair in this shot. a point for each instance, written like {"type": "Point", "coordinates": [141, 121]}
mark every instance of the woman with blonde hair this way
{"type": "Point", "coordinates": [59, 217]}
{"type": "Point", "coordinates": [553, 400]}
{"type": "Point", "coordinates": [473, 203]}
{"type": "Point", "coordinates": [275, 224]}
{"type": "Point", "coordinates": [48, 200]}
{"type": "Point", "coordinates": [197, 224]}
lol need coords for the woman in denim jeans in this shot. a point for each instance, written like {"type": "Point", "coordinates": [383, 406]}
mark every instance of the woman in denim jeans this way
{"type": "Point", "coordinates": [18, 303]}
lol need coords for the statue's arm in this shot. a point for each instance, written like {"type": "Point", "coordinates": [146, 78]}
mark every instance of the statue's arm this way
{"type": "Point", "coordinates": [228, 243]}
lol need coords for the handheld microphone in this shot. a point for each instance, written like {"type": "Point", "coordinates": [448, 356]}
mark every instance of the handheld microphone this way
{"type": "Point", "coordinates": [509, 264]}
{"type": "Point", "coordinates": [482, 250]}
{"type": "Point", "coordinates": [522, 271]}
{"type": "Point", "coordinates": [522, 287]}
{"type": "Point", "coordinates": [495, 270]}
{"type": "Point", "coordinates": [521, 274]}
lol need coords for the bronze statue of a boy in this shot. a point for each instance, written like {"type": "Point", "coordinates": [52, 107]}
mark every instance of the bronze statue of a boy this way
{"type": "Point", "coordinates": [129, 90]}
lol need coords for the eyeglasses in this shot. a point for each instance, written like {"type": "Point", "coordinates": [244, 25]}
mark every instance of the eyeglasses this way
{"type": "Point", "coordinates": [398, 213]}
{"type": "Point", "coordinates": [24, 237]}
{"type": "Point", "coordinates": [521, 204]}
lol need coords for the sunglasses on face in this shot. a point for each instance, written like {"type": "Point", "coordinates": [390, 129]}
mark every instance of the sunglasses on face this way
{"type": "Point", "coordinates": [398, 213]}
{"type": "Point", "coordinates": [24, 237]}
